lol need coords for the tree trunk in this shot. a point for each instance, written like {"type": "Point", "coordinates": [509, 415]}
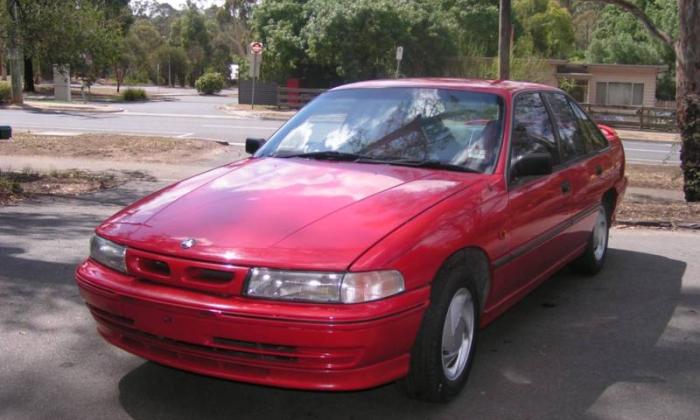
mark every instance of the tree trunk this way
{"type": "Point", "coordinates": [504, 40]}
{"type": "Point", "coordinates": [16, 75]}
{"type": "Point", "coordinates": [15, 55]}
{"type": "Point", "coordinates": [28, 74]}
{"type": "Point", "coordinates": [3, 70]}
{"type": "Point", "coordinates": [688, 95]}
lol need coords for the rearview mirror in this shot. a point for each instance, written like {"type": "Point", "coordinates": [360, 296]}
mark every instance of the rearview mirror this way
{"type": "Point", "coordinates": [253, 145]}
{"type": "Point", "coordinates": [533, 164]}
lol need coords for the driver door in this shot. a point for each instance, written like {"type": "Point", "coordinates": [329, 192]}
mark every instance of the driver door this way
{"type": "Point", "coordinates": [536, 205]}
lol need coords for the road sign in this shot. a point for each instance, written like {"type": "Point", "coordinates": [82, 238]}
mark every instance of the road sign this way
{"type": "Point", "coordinates": [399, 57]}
{"type": "Point", "coordinates": [254, 62]}
{"type": "Point", "coordinates": [256, 47]}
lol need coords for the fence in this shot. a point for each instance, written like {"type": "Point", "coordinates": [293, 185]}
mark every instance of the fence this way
{"type": "Point", "coordinates": [265, 92]}
{"type": "Point", "coordinates": [296, 97]}
{"type": "Point", "coordinates": [663, 119]}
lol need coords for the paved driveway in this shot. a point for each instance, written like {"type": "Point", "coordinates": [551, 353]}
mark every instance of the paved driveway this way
{"type": "Point", "coordinates": [624, 344]}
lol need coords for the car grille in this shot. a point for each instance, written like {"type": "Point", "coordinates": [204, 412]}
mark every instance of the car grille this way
{"type": "Point", "coordinates": [218, 279]}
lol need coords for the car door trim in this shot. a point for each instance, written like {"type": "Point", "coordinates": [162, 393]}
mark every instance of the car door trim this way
{"type": "Point", "coordinates": [544, 237]}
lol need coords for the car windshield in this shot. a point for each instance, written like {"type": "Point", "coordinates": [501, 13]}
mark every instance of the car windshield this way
{"type": "Point", "coordinates": [439, 128]}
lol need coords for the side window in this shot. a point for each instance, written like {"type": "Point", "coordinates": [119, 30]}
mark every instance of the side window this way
{"type": "Point", "coordinates": [532, 129]}
{"type": "Point", "coordinates": [570, 133]}
{"type": "Point", "coordinates": [595, 140]}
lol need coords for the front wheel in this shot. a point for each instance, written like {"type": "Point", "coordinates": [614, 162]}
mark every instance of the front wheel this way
{"type": "Point", "coordinates": [444, 349]}
{"type": "Point", "coordinates": [593, 258]}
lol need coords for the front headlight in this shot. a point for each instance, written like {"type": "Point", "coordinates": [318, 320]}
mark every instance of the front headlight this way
{"type": "Point", "coordinates": [108, 253]}
{"type": "Point", "coordinates": [314, 286]}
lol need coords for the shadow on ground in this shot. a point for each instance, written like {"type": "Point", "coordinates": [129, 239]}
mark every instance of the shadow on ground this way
{"type": "Point", "coordinates": [551, 356]}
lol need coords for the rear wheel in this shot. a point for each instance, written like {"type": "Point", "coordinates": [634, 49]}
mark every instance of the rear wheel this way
{"type": "Point", "coordinates": [593, 258]}
{"type": "Point", "coordinates": [444, 349]}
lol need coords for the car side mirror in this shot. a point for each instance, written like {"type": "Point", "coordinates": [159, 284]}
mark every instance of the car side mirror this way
{"type": "Point", "coordinates": [253, 145]}
{"type": "Point", "coordinates": [533, 164]}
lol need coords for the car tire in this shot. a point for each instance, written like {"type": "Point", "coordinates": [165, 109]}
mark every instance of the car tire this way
{"type": "Point", "coordinates": [593, 258]}
{"type": "Point", "coordinates": [443, 353]}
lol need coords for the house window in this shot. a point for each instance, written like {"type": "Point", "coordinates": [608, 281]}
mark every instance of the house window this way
{"type": "Point", "coordinates": [617, 93]}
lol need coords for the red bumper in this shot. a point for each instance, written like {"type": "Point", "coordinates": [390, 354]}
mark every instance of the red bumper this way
{"type": "Point", "coordinates": [304, 346]}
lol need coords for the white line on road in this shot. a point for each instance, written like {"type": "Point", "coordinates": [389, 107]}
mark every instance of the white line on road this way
{"type": "Point", "coordinates": [662, 162]}
{"type": "Point", "coordinates": [182, 136]}
{"type": "Point", "coordinates": [628, 149]}
{"type": "Point", "coordinates": [169, 115]}
{"type": "Point", "coordinates": [106, 130]}
{"type": "Point", "coordinates": [246, 127]}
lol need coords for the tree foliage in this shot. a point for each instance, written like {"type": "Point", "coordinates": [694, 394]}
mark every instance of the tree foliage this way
{"type": "Point", "coordinates": [338, 41]}
{"type": "Point", "coordinates": [620, 38]}
{"type": "Point", "coordinates": [544, 29]}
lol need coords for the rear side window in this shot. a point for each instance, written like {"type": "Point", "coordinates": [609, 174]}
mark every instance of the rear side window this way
{"type": "Point", "coordinates": [595, 140]}
{"type": "Point", "coordinates": [532, 128]}
{"type": "Point", "coordinates": [573, 143]}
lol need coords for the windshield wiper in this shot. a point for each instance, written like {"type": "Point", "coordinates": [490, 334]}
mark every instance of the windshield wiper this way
{"type": "Point", "coordinates": [353, 157]}
{"type": "Point", "coordinates": [327, 154]}
{"type": "Point", "coordinates": [429, 163]}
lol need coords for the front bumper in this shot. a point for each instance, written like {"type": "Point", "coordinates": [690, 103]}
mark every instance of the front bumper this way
{"type": "Point", "coordinates": [290, 345]}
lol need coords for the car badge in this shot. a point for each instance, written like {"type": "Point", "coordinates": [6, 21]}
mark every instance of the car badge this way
{"type": "Point", "coordinates": [188, 243]}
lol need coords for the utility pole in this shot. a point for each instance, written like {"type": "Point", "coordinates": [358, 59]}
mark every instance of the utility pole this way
{"type": "Point", "coordinates": [504, 40]}
{"type": "Point", "coordinates": [16, 55]}
{"type": "Point", "coordinates": [170, 72]}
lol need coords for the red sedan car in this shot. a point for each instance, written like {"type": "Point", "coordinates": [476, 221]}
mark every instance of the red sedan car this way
{"type": "Point", "coordinates": [365, 242]}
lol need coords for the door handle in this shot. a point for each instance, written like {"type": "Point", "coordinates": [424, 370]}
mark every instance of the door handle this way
{"type": "Point", "coordinates": [565, 187]}
{"type": "Point", "coordinates": [598, 170]}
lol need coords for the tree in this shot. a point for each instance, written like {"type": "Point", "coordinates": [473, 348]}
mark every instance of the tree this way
{"type": "Point", "coordinates": [190, 32]}
{"type": "Point", "coordinates": [13, 21]}
{"type": "Point", "coordinates": [79, 33]}
{"type": "Point", "coordinates": [504, 32]}
{"type": "Point", "coordinates": [142, 44]}
{"type": "Point", "coordinates": [545, 27]}
{"type": "Point", "coordinates": [279, 24]}
{"type": "Point", "coordinates": [687, 50]}
{"type": "Point", "coordinates": [174, 64]}
{"type": "Point", "coordinates": [327, 42]}
{"type": "Point", "coordinates": [585, 18]}
{"type": "Point", "coordinates": [234, 18]}
{"type": "Point", "coordinates": [620, 38]}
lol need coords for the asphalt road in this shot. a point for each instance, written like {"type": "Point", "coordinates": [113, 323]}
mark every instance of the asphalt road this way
{"type": "Point", "coordinates": [621, 345]}
{"type": "Point", "coordinates": [199, 117]}
{"type": "Point", "coordinates": [183, 116]}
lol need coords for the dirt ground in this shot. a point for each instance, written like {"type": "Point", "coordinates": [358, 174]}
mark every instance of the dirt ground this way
{"type": "Point", "coordinates": [654, 206]}
{"type": "Point", "coordinates": [15, 186]}
{"type": "Point", "coordinates": [661, 177]}
{"type": "Point", "coordinates": [112, 147]}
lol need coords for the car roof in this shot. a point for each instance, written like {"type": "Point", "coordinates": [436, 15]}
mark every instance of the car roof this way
{"type": "Point", "coordinates": [494, 86]}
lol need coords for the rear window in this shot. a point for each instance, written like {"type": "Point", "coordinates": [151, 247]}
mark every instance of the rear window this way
{"type": "Point", "coordinates": [594, 139]}
{"type": "Point", "coordinates": [571, 134]}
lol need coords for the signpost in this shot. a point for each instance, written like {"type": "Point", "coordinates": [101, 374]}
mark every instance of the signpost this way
{"type": "Point", "coordinates": [399, 57]}
{"type": "Point", "coordinates": [256, 49]}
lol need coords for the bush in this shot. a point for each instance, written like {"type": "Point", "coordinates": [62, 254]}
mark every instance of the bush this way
{"type": "Point", "coordinates": [210, 83]}
{"type": "Point", "coordinates": [5, 92]}
{"type": "Point", "coordinates": [131, 95]}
